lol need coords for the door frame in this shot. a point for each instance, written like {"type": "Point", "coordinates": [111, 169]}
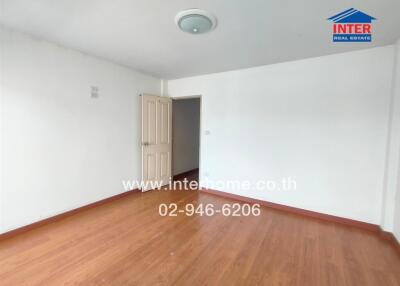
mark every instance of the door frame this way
{"type": "Point", "coordinates": [199, 96]}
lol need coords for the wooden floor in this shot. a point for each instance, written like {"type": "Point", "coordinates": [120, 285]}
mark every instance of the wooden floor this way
{"type": "Point", "coordinates": [126, 242]}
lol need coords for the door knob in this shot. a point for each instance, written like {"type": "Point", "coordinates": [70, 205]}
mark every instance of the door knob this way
{"type": "Point", "coordinates": [145, 144]}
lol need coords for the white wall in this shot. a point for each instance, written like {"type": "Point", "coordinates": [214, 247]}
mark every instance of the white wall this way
{"type": "Point", "coordinates": [393, 191]}
{"type": "Point", "coordinates": [186, 128]}
{"type": "Point", "coordinates": [61, 149]}
{"type": "Point", "coordinates": [321, 121]}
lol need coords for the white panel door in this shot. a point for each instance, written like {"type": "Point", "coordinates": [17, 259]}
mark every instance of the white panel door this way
{"type": "Point", "coordinates": [156, 141]}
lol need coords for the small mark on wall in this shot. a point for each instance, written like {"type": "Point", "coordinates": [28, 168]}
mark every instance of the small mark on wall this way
{"type": "Point", "coordinates": [94, 92]}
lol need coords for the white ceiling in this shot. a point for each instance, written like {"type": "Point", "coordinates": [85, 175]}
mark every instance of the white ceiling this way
{"type": "Point", "coordinates": [142, 33]}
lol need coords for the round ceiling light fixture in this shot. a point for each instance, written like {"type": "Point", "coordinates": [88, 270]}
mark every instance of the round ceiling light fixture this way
{"type": "Point", "coordinates": [195, 21]}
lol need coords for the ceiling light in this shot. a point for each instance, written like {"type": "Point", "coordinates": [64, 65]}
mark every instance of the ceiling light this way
{"type": "Point", "coordinates": [195, 21]}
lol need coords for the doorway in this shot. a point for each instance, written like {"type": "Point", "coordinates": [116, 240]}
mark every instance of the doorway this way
{"type": "Point", "coordinates": [170, 140]}
{"type": "Point", "coordinates": [186, 138]}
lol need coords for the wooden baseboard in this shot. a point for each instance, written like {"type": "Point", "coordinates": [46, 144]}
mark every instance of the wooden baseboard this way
{"type": "Point", "coordinates": [61, 216]}
{"type": "Point", "coordinates": [298, 211]}
{"type": "Point", "coordinates": [185, 174]}
{"type": "Point", "coordinates": [391, 238]}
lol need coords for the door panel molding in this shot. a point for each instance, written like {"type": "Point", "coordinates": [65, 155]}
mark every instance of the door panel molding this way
{"type": "Point", "coordinates": [156, 141]}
